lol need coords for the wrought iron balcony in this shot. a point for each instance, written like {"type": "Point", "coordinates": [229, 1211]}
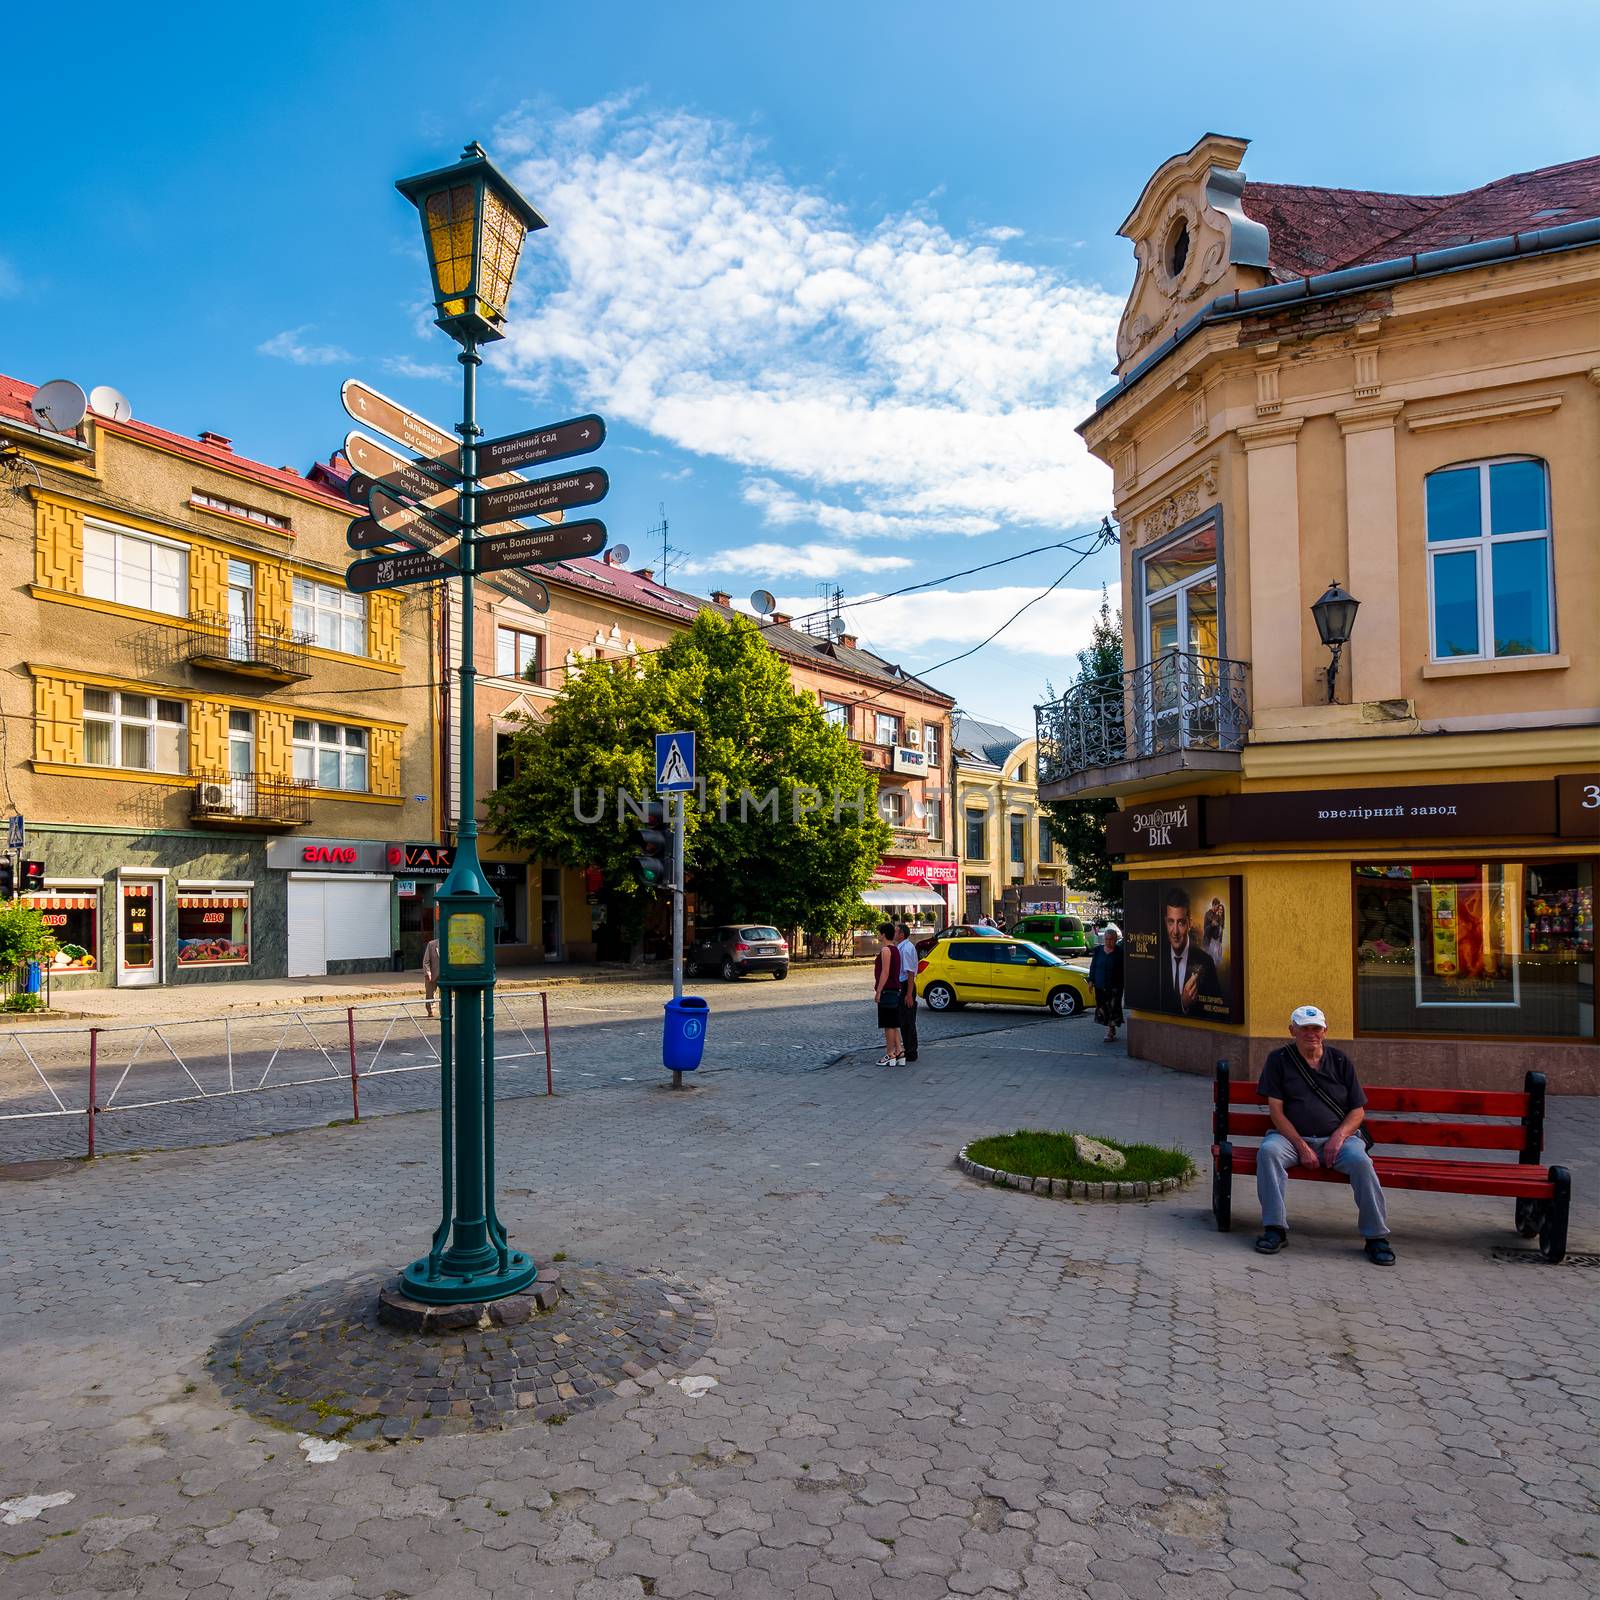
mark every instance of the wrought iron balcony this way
{"type": "Point", "coordinates": [1178, 711]}
{"type": "Point", "coordinates": [259, 805]}
{"type": "Point", "coordinates": [249, 648]}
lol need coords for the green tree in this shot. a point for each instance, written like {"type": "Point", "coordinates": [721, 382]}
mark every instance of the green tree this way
{"type": "Point", "coordinates": [794, 861]}
{"type": "Point", "coordinates": [1079, 826]}
{"type": "Point", "coordinates": [23, 934]}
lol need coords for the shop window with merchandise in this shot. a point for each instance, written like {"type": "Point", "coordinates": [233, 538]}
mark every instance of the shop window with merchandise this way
{"type": "Point", "coordinates": [1501, 949]}
{"type": "Point", "coordinates": [73, 920]}
{"type": "Point", "coordinates": [213, 928]}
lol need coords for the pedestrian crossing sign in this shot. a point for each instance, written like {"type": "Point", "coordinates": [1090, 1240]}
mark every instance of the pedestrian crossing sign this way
{"type": "Point", "coordinates": [674, 762]}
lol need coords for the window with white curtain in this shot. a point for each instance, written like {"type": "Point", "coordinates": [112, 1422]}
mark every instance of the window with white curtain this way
{"type": "Point", "coordinates": [330, 755]}
{"type": "Point", "coordinates": [335, 618]}
{"type": "Point", "coordinates": [150, 574]}
{"type": "Point", "coordinates": [135, 731]}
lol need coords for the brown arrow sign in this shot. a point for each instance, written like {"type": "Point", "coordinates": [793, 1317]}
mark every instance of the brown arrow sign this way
{"type": "Point", "coordinates": [545, 544]}
{"type": "Point", "coordinates": [543, 494]}
{"type": "Point", "coordinates": [389, 572]}
{"type": "Point", "coordinates": [534, 445]}
{"type": "Point", "coordinates": [519, 586]}
{"type": "Point", "coordinates": [365, 534]}
{"type": "Point", "coordinates": [390, 417]}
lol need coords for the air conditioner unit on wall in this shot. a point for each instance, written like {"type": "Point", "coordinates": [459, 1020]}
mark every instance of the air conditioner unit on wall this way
{"type": "Point", "coordinates": [213, 797]}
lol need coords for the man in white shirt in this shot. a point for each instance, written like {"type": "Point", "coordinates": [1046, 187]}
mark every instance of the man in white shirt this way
{"type": "Point", "coordinates": [909, 960]}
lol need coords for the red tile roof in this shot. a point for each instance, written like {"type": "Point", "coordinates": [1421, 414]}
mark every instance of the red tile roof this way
{"type": "Point", "coordinates": [15, 394]}
{"type": "Point", "coordinates": [1314, 230]}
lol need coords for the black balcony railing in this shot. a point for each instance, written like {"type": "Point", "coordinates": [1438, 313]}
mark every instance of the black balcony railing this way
{"type": "Point", "coordinates": [1172, 705]}
{"type": "Point", "coordinates": [229, 800]}
{"type": "Point", "coordinates": [253, 649]}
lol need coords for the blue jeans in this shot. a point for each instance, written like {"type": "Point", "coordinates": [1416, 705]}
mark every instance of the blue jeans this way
{"type": "Point", "coordinates": [1277, 1155]}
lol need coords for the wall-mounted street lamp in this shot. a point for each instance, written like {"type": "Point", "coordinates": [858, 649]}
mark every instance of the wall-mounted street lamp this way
{"type": "Point", "coordinates": [473, 223]}
{"type": "Point", "coordinates": [1336, 619]}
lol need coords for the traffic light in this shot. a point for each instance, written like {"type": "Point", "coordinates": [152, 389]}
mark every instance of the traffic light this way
{"type": "Point", "coordinates": [7, 881]}
{"type": "Point", "coordinates": [32, 877]}
{"type": "Point", "coordinates": [654, 866]}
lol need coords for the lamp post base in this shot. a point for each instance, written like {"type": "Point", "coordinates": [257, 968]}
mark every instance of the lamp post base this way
{"type": "Point", "coordinates": [460, 1287]}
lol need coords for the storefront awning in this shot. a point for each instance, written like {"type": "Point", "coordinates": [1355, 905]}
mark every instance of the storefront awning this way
{"type": "Point", "coordinates": [903, 894]}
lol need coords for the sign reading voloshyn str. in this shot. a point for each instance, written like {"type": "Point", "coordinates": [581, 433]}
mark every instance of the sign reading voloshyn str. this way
{"type": "Point", "coordinates": [541, 544]}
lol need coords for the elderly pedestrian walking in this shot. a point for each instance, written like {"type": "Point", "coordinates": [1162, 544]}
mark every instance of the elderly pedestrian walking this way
{"type": "Point", "coordinates": [430, 973]}
{"type": "Point", "coordinates": [886, 992]}
{"type": "Point", "coordinates": [1106, 974]}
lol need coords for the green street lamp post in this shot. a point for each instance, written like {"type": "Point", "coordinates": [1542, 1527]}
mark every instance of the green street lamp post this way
{"type": "Point", "coordinates": [474, 223]}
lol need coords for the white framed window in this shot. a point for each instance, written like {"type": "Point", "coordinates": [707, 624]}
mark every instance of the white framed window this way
{"type": "Point", "coordinates": [892, 807]}
{"type": "Point", "coordinates": [335, 618]}
{"type": "Point", "coordinates": [930, 742]}
{"type": "Point", "coordinates": [516, 652]}
{"type": "Point", "coordinates": [134, 570]}
{"type": "Point", "coordinates": [888, 728]}
{"type": "Point", "coordinates": [136, 731]}
{"type": "Point", "coordinates": [838, 713]}
{"type": "Point", "coordinates": [936, 816]}
{"type": "Point", "coordinates": [1491, 588]}
{"type": "Point", "coordinates": [330, 755]}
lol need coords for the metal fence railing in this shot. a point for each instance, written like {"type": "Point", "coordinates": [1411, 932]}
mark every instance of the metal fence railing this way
{"type": "Point", "coordinates": [94, 1072]}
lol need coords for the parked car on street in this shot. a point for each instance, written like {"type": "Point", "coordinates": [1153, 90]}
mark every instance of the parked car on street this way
{"type": "Point", "coordinates": [738, 948]}
{"type": "Point", "coordinates": [957, 930]}
{"type": "Point", "coordinates": [1002, 971]}
{"type": "Point", "coordinates": [1056, 931]}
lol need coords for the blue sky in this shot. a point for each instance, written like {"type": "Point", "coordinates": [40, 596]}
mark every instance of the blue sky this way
{"type": "Point", "coordinates": [842, 278]}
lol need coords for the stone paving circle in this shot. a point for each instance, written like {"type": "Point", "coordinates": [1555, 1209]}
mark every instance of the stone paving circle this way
{"type": "Point", "coordinates": [1069, 1188]}
{"type": "Point", "coordinates": [321, 1362]}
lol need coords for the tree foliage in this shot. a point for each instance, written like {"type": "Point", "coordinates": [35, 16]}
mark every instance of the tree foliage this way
{"type": "Point", "coordinates": [23, 934]}
{"type": "Point", "coordinates": [1079, 826]}
{"type": "Point", "coordinates": [805, 866]}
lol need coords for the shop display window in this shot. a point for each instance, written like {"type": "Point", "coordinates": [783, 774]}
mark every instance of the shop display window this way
{"type": "Point", "coordinates": [1481, 949]}
{"type": "Point", "coordinates": [74, 924]}
{"type": "Point", "coordinates": [213, 929]}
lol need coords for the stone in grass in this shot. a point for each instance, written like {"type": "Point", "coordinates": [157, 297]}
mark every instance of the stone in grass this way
{"type": "Point", "coordinates": [1097, 1154]}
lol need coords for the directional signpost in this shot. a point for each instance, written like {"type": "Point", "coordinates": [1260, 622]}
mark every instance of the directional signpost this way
{"type": "Point", "coordinates": [543, 544]}
{"type": "Point", "coordinates": [392, 571]}
{"type": "Point", "coordinates": [543, 494]}
{"type": "Point", "coordinates": [555, 443]}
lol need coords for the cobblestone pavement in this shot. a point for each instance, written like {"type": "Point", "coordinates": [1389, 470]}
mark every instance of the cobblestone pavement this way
{"type": "Point", "coordinates": [922, 1386]}
{"type": "Point", "coordinates": [605, 1036]}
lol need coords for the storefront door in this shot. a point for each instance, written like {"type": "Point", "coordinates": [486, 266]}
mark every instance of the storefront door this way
{"type": "Point", "coordinates": [550, 913]}
{"type": "Point", "coordinates": [139, 937]}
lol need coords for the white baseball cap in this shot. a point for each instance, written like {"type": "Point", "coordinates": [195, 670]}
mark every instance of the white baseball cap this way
{"type": "Point", "coordinates": [1307, 1017]}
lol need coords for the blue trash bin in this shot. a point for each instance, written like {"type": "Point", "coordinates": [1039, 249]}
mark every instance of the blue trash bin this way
{"type": "Point", "coordinates": [683, 1036]}
{"type": "Point", "coordinates": [34, 981]}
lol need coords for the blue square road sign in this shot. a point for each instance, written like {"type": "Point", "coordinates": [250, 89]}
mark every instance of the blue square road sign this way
{"type": "Point", "coordinates": [674, 763]}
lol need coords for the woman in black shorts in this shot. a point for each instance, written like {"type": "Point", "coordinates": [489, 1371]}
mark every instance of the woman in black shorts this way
{"type": "Point", "coordinates": [886, 993]}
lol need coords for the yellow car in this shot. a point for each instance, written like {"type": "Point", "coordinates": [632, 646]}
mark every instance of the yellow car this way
{"type": "Point", "coordinates": [1008, 972]}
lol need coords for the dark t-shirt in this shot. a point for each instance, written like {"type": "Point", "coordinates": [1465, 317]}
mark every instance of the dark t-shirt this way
{"type": "Point", "coordinates": [1282, 1080]}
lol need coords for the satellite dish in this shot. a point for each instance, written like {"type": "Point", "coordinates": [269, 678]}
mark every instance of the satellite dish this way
{"type": "Point", "coordinates": [59, 405]}
{"type": "Point", "coordinates": [111, 403]}
{"type": "Point", "coordinates": [919, 808]}
{"type": "Point", "coordinates": [763, 601]}
{"type": "Point", "coordinates": [837, 627]}
{"type": "Point", "coordinates": [617, 554]}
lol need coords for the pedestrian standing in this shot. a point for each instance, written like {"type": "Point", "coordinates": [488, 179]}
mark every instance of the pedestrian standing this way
{"type": "Point", "coordinates": [430, 973]}
{"type": "Point", "coordinates": [886, 994]}
{"type": "Point", "coordinates": [1106, 974]}
{"type": "Point", "coordinates": [908, 992]}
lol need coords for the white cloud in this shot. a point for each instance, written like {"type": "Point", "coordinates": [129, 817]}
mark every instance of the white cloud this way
{"type": "Point", "coordinates": [939, 623]}
{"type": "Point", "coordinates": [290, 345]}
{"type": "Point", "coordinates": [405, 367]}
{"type": "Point", "coordinates": [783, 507]}
{"type": "Point", "coordinates": [688, 288]}
{"type": "Point", "coordinates": [1002, 234]}
{"type": "Point", "coordinates": [794, 561]}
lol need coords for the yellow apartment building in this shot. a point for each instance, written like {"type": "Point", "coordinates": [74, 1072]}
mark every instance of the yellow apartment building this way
{"type": "Point", "coordinates": [1399, 394]}
{"type": "Point", "coordinates": [216, 750]}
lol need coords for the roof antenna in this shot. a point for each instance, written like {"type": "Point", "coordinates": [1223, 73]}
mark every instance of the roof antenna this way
{"type": "Point", "coordinates": [668, 551]}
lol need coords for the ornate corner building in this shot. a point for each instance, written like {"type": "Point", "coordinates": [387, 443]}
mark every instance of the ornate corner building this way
{"type": "Point", "coordinates": [1400, 394]}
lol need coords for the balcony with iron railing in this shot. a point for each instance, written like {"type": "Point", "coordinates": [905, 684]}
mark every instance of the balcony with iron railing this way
{"type": "Point", "coordinates": [245, 801]}
{"type": "Point", "coordinates": [248, 648]}
{"type": "Point", "coordinates": [1181, 712]}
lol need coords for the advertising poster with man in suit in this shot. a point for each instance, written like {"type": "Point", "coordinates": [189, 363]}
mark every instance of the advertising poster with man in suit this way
{"type": "Point", "coordinates": [1185, 948]}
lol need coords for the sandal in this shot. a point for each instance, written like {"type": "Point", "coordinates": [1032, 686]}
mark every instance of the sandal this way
{"type": "Point", "coordinates": [1272, 1240]}
{"type": "Point", "coordinates": [885, 1061]}
{"type": "Point", "coordinates": [1380, 1252]}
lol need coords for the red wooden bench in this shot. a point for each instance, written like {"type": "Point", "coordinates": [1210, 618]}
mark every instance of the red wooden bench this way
{"type": "Point", "coordinates": [1543, 1194]}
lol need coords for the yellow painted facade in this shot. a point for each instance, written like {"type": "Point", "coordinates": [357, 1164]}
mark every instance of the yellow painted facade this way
{"type": "Point", "coordinates": [1268, 447]}
{"type": "Point", "coordinates": [994, 792]}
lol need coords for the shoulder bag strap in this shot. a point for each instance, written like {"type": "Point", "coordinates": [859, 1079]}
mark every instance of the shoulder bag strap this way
{"type": "Point", "coordinates": [1341, 1112]}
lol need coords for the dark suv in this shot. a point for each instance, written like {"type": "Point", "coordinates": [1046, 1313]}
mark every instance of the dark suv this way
{"type": "Point", "coordinates": [738, 948]}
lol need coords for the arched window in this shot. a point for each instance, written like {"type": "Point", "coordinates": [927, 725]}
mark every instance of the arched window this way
{"type": "Point", "coordinates": [1490, 587]}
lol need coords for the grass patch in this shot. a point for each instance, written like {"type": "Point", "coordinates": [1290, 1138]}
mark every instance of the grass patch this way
{"type": "Point", "coordinates": [1034, 1153]}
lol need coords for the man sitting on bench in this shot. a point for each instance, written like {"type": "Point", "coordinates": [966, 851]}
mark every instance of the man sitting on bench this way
{"type": "Point", "coordinates": [1316, 1104]}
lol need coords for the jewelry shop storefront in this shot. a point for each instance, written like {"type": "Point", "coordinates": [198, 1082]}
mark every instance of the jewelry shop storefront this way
{"type": "Point", "coordinates": [1447, 930]}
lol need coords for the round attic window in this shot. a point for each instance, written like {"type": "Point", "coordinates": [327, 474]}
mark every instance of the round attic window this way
{"type": "Point", "coordinates": [1176, 254]}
